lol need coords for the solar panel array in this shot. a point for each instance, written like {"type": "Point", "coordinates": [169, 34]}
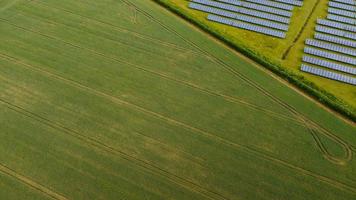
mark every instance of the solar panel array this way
{"type": "Point", "coordinates": [342, 19]}
{"type": "Point", "coordinates": [342, 6]}
{"type": "Point", "coordinates": [350, 2]}
{"type": "Point", "coordinates": [332, 52]}
{"type": "Point", "coordinates": [328, 74]}
{"type": "Point", "coordinates": [269, 17]}
{"type": "Point", "coordinates": [330, 65]}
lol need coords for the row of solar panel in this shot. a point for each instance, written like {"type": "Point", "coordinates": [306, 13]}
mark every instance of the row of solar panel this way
{"type": "Point", "coordinates": [340, 36]}
{"type": "Point", "coordinates": [333, 31]}
{"type": "Point", "coordinates": [331, 56]}
{"type": "Point", "coordinates": [258, 7]}
{"type": "Point", "coordinates": [244, 11]}
{"type": "Point", "coordinates": [341, 19]}
{"type": "Point", "coordinates": [330, 65]}
{"type": "Point", "coordinates": [246, 26]}
{"type": "Point", "coordinates": [342, 6]}
{"type": "Point", "coordinates": [345, 13]}
{"type": "Point", "coordinates": [335, 39]}
{"type": "Point", "coordinates": [350, 2]}
{"type": "Point", "coordinates": [291, 2]}
{"type": "Point", "coordinates": [272, 4]}
{"type": "Point", "coordinates": [328, 74]}
{"type": "Point", "coordinates": [238, 17]}
{"type": "Point", "coordinates": [331, 47]}
{"type": "Point", "coordinates": [338, 25]}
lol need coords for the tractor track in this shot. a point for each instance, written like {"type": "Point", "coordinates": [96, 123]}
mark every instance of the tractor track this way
{"type": "Point", "coordinates": [121, 29]}
{"type": "Point", "coordinates": [294, 112]}
{"type": "Point", "coordinates": [142, 68]}
{"type": "Point", "coordinates": [145, 165]}
{"type": "Point", "coordinates": [254, 84]}
{"type": "Point", "coordinates": [32, 184]}
{"type": "Point", "coordinates": [311, 124]}
{"type": "Point", "coordinates": [209, 135]}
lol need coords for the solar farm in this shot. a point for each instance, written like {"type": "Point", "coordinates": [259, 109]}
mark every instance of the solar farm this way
{"type": "Point", "coordinates": [272, 18]}
{"type": "Point", "coordinates": [335, 40]}
{"type": "Point", "coordinates": [276, 33]}
{"type": "Point", "coordinates": [125, 99]}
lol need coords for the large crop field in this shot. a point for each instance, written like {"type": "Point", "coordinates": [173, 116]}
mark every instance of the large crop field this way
{"type": "Point", "coordinates": [121, 99]}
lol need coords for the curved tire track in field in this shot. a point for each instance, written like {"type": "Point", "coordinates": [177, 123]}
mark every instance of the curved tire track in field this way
{"type": "Point", "coordinates": [178, 151]}
{"type": "Point", "coordinates": [142, 68]}
{"type": "Point", "coordinates": [30, 183]}
{"type": "Point", "coordinates": [244, 78]}
{"type": "Point", "coordinates": [98, 144]}
{"type": "Point", "coordinates": [160, 41]}
{"type": "Point", "coordinates": [332, 182]}
{"type": "Point", "coordinates": [167, 58]}
{"type": "Point", "coordinates": [123, 30]}
{"type": "Point", "coordinates": [145, 165]}
{"type": "Point", "coordinates": [309, 124]}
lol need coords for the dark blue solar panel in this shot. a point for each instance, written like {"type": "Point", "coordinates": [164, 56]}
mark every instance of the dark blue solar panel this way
{"type": "Point", "coordinates": [335, 39]}
{"type": "Point", "coordinates": [328, 74]}
{"type": "Point", "coordinates": [246, 26]}
{"type": "Point", "coordinates": [272, 4]}
{"type": "Point", "coordinates": [331, 47]}
{"type": "Point", "coordinates": [331, 56]}
{"type": "Point", "coordinates": [330, 65]}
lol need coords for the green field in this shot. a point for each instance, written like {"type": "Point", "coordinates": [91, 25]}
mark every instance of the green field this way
{"type": "Point", "coordinates": [123, 100]}
{"type": "Point", "coordinates": [286, 53]}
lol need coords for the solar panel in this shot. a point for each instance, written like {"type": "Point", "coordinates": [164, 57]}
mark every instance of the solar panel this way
{"type": "Point", "coordinates": [337, 32]}
{"type": "Point", "coordinates": [331, 47]}
{"type": "Point", "coordinates": [342, 19]}
{"type": "Point", "coordinates": [345, 13]}
{"type": "Point", "coordinates": [331, 56]}
{"type": "Point", "coordinates": [246, 26]}
{"type": "Point", "coordinates": [258, 7]}
{"type": "Point", "coordinates": [245, 11]}
{"type": "Point", "coordinates": [330, 65]}
{"type": "Point", "coordinates": [342, 6]}
{"type": "Point", "coordinates": [350, 2]}
{"type": "Point", "coordinates": [291, 2]}
{"type": "Point", "coordinates": [272, 4]}
{"type": "Point", "coordinates": [238, 16]}
{"type": "Point", "coordinates": [334, 39]}
{"type": "Point", "coordinates": [262, 22]}
{"type": "Point", "coordinates": [328, 74]}
{"type": "Point", "coordinates": [338, 25]}
{"type": "Point", "coordinates": [211, 10]}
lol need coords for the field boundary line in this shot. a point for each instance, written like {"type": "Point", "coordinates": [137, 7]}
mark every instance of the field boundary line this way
{"type": "Point", "coordinates": [317, 95]}
{"type": "Point", "coordinates": [255, 152]}
{"type": "Point", "coordinates": [32, 184]}
{"type": "Point", "coordinates": [253, 84]}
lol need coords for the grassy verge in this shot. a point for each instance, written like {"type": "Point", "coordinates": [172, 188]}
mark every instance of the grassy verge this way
{"type": "Point", "coordinates": [309, 87]}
